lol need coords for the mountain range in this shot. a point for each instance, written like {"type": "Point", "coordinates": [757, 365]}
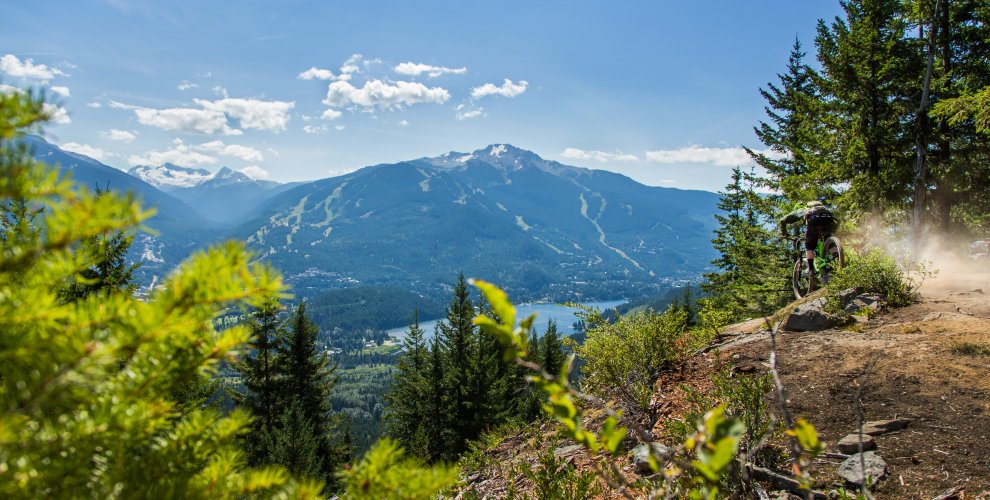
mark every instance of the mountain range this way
{"type": "Point", "coordinates": [540, 228]}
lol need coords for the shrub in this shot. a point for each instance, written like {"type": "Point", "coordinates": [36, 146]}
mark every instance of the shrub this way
{"type": "Point", "coordinates": [386, 472]}
{"type": "Point", "coordinates": [970, 349]}
{"type": "Point", "coordinates": [877, 272]}
{"type": "Point", "coordinates": [554, 478]}
{"type": "Point", "coordinates": [624, 359]}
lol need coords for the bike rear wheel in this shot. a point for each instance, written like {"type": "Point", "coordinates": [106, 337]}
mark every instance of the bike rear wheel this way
{"type": "Point", "coordinates": [834, 258]}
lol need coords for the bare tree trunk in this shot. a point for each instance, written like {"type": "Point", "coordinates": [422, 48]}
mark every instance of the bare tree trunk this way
{"type": "Point", "coordinates": [921, 138]}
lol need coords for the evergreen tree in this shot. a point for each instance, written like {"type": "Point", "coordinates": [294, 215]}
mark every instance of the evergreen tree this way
{"type": "Point", "coordinates": [407, 409]}
{"type": "Point", "coordinates": [296, 443]}
{"type": "Point", "coordinates": [752, 264]}
{"type": "Point", "coordinates": [308, 379]}
{"type": "Point", "coordinates": [438, 423]}
{"type": "Point", "coordinates": [107, 270]}
{"type": "Point", "coordinates": [551, 350]}
{"type": "Point", "coordinates": [794, 136]}
{"type": "Point", "coordinates": [74, 424]}
{"type": "Point", "coordinates": [260, 376]}
{"type": "Point", "coordinates": [870, 79]}
{"type": "Point", "coordinates": [458, 335]}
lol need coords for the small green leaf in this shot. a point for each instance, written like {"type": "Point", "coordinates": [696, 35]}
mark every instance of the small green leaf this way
{"type": "Point", "coordinates": [499, 301]}
{"type": "Point", "coordinates": [807, 437]}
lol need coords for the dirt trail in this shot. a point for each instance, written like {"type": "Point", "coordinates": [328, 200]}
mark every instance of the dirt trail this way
{"type": "Point", "coordinates": [921, 369]}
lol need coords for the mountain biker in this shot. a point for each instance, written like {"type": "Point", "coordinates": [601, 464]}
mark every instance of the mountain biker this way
{"type": "Point", "coordinates": [820, 221]}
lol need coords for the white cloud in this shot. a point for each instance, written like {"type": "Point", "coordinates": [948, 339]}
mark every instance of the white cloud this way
{"type": "Point", "coordinates": [219, 90]}
{"type": "Point", "coordinates": [184, 120]}
{"type": "Point", "coordinates": [118, 135]}
{"type": "Point", "coordinates": [314, 129]}
{"type": "Point", "coordinates": [245, 153]}
{"type": "Point", "coordinates": [94, 105]}
{"type": "Point", "coordinates": [416, 69]}
{"type": "Point", "coordinates": [17, 68]}
{"type": "Point", "coordinates": [60, 90]}
{"type": "Point", "coordinates": [314, 73]}
{"type": "Point", "coordinates": [56, 114]}
{"type": "Point", "coordinates": [9, 89]}
{"type": "Point", "coordinates": [87, 150]}
{"type": "Point", "coordinates": [599, 156]}
{"type": "Point", "coordinates": [252, 113]}
{"type": "Point", "coordinates": [467, 115]}
{"type": "Point", "coordinates": [404, 123]}
{"type": "Point", "coordinates": [508, 89]}
{"type": "Point", "coordinates": [255, 172]}
{"type": "Point", "coordinates": [186, 85]}
{"type": "Point", "coordinates": [378, 94]}
{"type": "Point", "coordinates": [350, 66]}
{"type": "Point", "coordinates": [339, 127]}
{"type": "Point", "coordinates": [721, 157]}
{"type": "Point", "coordinates": [330, 114]}
{"type": "Point", "coordinates": [179, 154]}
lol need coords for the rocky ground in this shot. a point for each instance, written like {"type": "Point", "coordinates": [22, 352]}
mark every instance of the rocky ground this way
{"type": "Point", "coordinates": [926, 367]}
{"type": "Point", "coordinates": [928, 363]}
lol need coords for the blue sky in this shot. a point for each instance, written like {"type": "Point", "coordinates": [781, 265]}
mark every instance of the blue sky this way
{"type": "Point", "coordinates": [664, 92]}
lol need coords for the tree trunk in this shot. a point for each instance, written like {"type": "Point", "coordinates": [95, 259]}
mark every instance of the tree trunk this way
{"type": "Point", "coordinates": [921, 138]}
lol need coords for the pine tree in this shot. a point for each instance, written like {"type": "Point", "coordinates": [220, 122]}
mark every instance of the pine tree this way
{"type": "Point", "coordinates": [296, 443]}
{"type": "Point", "coordinates": [794, 136]}
{"type": "Point", "coordinates": [438, 423]}
{"type": "Point", "coordinates": [752, 263]}
{"type": "Point", "coordinates": [407, 409]}
{"type": "Point", "coordinates": [308, 379]}
{"type": "Point", "coordinates": [870, 79]}
{"type": "Point", "coordinates": [74, 424]}
{"type": "Point", "coordinates": [551, 349]}
{"type": "Point", "coordinates": [260, 376]}
{"type": "Point", "coordinates": [108, 270]}
{"type": "Point", "coordinates": [458, 335]}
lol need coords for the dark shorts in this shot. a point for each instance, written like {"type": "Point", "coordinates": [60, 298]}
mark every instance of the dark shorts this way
{"type": "Point", "coordinates": [819, 228]}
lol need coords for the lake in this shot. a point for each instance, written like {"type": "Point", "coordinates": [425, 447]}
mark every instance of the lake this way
{"type": "Point", "coordinates": [564, 316]}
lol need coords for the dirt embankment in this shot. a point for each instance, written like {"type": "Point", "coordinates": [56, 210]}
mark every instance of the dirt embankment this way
{"type": "Point", "coordinates": [928, 362]}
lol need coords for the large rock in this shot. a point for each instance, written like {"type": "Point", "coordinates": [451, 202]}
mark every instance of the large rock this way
{"type": "Point", "coordinates": [641, 456]}
{"type": "Point", "coordinates": [865, 301]}
{"type": "Point", "coordinates": [811, 317]}
{"type": "Point", "coordinates": [850, 443]}
{"type": "Point", "coordinates": [884, 426]}
{"type": "Point", "coordinates": [852, 471]}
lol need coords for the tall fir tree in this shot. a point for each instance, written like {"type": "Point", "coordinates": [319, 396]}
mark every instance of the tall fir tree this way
{"type": "Point", "coordinates": [458, 335]}
{"type": "Point", "coordinates": [308, 379]}
{"type": "Point", "coordinates": [752, 263]}
{"type": "Point", "coordinates": [551, 349]}
{"type": "Point", "coordinates": [870, 80]}
{"type": "Point", "coordinates": [407, 398]}
{"type": "Point", "coordinates": [796, 141]}
{"type": "Point", "coordinates": [438, 429]}
{"type": "Point", "coordinates": [261, 377]}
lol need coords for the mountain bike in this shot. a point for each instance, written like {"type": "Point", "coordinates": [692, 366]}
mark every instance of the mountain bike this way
{"type": "Point", "coordinates": [829, 258]}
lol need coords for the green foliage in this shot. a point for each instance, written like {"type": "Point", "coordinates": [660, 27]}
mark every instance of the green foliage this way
{"type": "Point", "coordinates": [556, 478]}
{"type": "Point", "coordinates": [85, 387]}
{"type": "Point", "coordinates": [973, 105]}
{"type": "Point", "coordinates": [386, 473]}
{"type": "Point", "coordinates": [877, 272]}
{"type": "Point", "coordinates": [626, 358]}
{"type": "Point", "coordinates": [970, 349]}
{"type": "Point", "coordinates": [745, 399]}
{"type": "Point", "coordinates": [752, 275]}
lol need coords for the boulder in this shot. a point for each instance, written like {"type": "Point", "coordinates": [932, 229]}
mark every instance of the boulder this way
{"type": "Point", "coordinates": [869, 301]}
{"type": "Point", "coordinates": [564, 451]}
{"type": "Point", "coordinates": [811, 317]}
{"type": "Point", "coordinates": [852, 471]}
{"type": "Point", "coordinates": [850, 443]}
{"type": "Point", "coordinates": [884, 426]}
{"type": "Point", "coordinates": [849, 293]}
{"type": "Point", "coordinates": [641, 456]}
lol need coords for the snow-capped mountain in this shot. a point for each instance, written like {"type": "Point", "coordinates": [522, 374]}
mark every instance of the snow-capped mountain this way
{"type": "Point", "coordinates": [167, 177]}
{"type": "Point", "coordinates": [499, 212]}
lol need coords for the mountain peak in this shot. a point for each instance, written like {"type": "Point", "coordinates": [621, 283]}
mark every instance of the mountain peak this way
{"type": "Point", "coordinates": [169, 176]}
